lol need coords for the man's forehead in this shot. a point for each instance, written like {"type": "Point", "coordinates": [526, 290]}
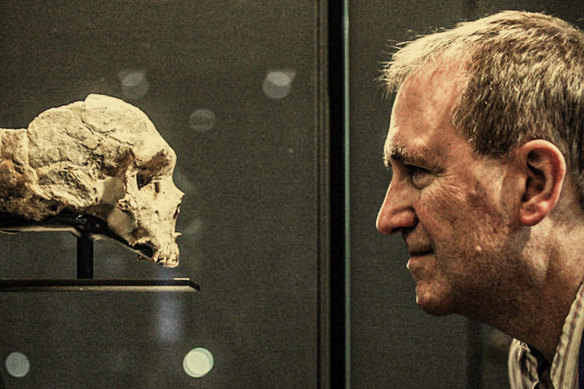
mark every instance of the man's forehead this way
{"type": "Point", "coordinates": [421, 119]}
{"type": "Point", "coordinates": [430, 93]}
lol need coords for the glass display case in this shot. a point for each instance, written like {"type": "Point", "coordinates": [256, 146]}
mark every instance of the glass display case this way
{"type": "Point", "coordinates": [278, 125]}
{"type": "Point", "coordinates": [233, 87]}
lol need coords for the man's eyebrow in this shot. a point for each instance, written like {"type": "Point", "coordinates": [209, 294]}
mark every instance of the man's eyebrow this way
{"type": "Point", "coordinates": [403, 155]}
{"type": "Point", "coordinates": [397, 153]}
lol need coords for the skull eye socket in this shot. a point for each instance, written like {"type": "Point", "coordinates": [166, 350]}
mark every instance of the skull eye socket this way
{"type": "Point", "coordinates": [143, 179]}
{"type": "Point", "coordinates": [156, 166]}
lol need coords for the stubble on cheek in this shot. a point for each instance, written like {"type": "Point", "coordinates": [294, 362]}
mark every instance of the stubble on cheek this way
{"type": "Point", "coordinates": [461, 235]}
{"type": "Point", "coordinates": [487, 213]}
{"type": "Point", "coordinates": [468, 224]}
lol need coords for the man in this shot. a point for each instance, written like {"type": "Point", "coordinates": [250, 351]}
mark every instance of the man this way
{"type": "Point", "coordinates": [487, 190]}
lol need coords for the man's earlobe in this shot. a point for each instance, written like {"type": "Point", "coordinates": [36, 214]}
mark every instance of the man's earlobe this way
{"type": "Point", "coordinates": [545, 170]}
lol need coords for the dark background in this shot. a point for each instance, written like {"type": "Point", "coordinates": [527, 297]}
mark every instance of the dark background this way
{"type": "Point", "coordinates": [393, 343]}
{"type": "Point", "coordinates": [256, 217]}
{"type": "Point", "coordinates": [249, 218]}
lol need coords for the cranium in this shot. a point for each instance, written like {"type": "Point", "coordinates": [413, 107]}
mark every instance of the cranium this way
{"type": "Point", "coordinates": [101, 158]}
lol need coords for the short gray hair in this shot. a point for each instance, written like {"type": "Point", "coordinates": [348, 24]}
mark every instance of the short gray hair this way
{"type": "Point", "coordinates": [524, 80]}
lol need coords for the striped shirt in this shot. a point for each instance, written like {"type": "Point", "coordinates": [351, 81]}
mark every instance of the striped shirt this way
{"type": "Point", "coordinates": [529, 370]}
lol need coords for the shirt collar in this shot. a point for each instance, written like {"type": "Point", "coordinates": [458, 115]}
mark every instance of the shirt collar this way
{"type": "Point", "coordinates": [563, 372]}
{"type": "Point", "coordinates": [564, 369]}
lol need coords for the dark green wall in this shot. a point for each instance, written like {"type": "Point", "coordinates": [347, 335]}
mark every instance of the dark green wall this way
{"type": "Point", "coordinates": [393, 343]}
{"type": "Point", "coordinates": [252, 216]}
{"type": "Point", "coordinates": [249, 217]}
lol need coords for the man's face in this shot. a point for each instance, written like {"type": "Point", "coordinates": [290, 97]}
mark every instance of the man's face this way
{"type": "Point", "coordinates": [449, 204]}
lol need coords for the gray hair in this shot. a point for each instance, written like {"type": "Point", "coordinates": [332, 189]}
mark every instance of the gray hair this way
{"type": "Point", "coordinates": [524, 80]}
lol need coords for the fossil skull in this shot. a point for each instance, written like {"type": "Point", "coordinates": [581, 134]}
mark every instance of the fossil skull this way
{"type": "Point", "coordinates": [102, 158]}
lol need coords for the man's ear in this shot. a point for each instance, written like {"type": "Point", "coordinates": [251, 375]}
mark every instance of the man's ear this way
{"type": "Point", "coordinates": [544, 169]}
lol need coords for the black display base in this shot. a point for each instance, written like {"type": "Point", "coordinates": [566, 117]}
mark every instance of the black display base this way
{"type": "Point", "coordinates": [99, 285]}
{"type": "Point", "coordinates": [86, 229]}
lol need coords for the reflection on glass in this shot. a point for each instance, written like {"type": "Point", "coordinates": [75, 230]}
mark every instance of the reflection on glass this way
{"type": "Point", "coordinates": [202, 120]}
{"type": "Point", "coordinates": [278, 84]}
{"type": "Point", "coordinates": [134, 83]}
{"type": "Point", "coordinates": [17, 365]}
{"type": "Point", "coordinates": [169, 319]}
{"type": "Point", "coordinates": [198, 362]}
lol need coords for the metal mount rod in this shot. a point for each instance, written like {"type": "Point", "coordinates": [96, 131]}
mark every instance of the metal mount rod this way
{"type": "Point", "coordinates": [84, 256]}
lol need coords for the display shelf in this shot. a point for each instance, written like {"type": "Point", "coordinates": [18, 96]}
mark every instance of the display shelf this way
{"type": "Point", "coordinates": [85, 229]}
{"type": "Point", "coordinates": [98, 285]}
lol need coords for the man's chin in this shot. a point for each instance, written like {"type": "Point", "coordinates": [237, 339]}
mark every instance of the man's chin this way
{"type": "Point", "coordinates": [432, 304]}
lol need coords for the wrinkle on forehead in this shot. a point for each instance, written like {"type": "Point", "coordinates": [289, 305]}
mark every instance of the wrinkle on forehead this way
{"type": "Point", "coordinates": [438, 84]}
{"type": "Point", "coordinates": [423, 110]}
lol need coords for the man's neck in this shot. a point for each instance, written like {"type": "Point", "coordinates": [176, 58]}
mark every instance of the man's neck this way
{"type": "Point", "coordinates": [542, 326]}
{"type": "Point", "coordinates": [538, 312]}
{"type": "Point", "coordinates": [533, 308]}
{"type": "Point", "coordinates": [535, 305]}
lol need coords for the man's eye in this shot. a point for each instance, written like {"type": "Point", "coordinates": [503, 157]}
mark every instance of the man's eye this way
{"type": "Point", "coordinates": [420, 177]}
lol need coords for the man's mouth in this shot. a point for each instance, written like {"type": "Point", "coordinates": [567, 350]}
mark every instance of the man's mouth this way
{"type": "Point", "coordinates": [420, 253]}
{"type": "Point", "coordinates": [417, 259]}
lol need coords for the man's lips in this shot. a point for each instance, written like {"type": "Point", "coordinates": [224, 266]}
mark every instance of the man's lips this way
{"type": "Point", "coordinates": [418, 245]}
{"type": "Point", "coordinates": [420, 253]}
{"type": "Point", "coordinates": [417, 259]}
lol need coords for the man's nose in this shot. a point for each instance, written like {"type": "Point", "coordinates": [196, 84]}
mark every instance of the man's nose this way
{"type": "Point", "coordinates": [396, 212]}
